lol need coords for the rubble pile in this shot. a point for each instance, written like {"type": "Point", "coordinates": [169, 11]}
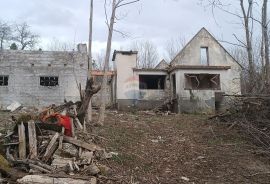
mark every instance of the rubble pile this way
{"type": "Point", "coordinates": [52, 147]}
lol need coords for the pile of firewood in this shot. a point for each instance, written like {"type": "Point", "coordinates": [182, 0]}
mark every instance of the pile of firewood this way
{"type": "Point", "coordinates": [251, 114]}
{"type": "Point", "coordinates": [53, 146]}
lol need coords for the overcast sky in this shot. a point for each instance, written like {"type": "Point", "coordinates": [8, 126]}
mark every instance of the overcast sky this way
{"type": "Point", "coordinates": [155, 20]}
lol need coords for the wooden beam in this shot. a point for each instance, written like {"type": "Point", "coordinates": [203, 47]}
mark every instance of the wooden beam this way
{"type": "Point", "coordinates": [22, 142]}
{"type": "Point", "coordinates": [82, 144]}
{"type": "Point", "coordinates": [61, 139]}
{"type": "Point", "coordinates": [72, 127]}
{"type": "Point", "coordinates": [32, 139]}
{"type": "Point", "coordinates": [52, 146]}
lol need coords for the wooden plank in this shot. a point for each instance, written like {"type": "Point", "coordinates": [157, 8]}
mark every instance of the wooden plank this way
{"type": "Point", "coordinates": [53, 178]}
{"type": "Point", "coordinates": [82, 144]}
{"type": "Point", "coordinates": [51, 148]}
{"type": "Point", "coordinates": [32, 140]}
{"type": "Point", "coordinates": [61, 139]}
{"type": "Point", "coordinates": [72, 127]}
{"type": "Point", "coordinates": [22, 142]}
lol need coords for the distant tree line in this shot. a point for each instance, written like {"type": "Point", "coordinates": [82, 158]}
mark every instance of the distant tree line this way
{"type": "Point", "coordinates": [17, 36]}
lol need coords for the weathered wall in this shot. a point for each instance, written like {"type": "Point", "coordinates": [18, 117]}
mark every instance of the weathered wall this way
{"type": "Point", "coordinates": [190, 55]}
{"type": "Point", "coordinates": [24, 69]}
{"type": "Point", "coordinates": [126, 82]}
{"type": "Point", "coordinates": [204, 100]}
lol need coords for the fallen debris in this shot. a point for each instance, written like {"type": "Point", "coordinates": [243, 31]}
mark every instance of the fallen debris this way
{"type": "Point", "coordinates": [46, 144]}
{"type": "Point", "coordinates": [14, 106]}
{"type": "Point", "coordinates": [37, 179]}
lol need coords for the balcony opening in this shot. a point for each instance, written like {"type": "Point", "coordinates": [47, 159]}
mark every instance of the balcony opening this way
{"type": "Point", "coordinates": [202, 81]}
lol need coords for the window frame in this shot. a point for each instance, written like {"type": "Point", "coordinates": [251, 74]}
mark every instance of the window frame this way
{"type": "Point", "coordinates": [49, 76]}
{"type": "Point", "coordinates": [4, 80]}
{"type": "Point", "coordinates": [207, 55]}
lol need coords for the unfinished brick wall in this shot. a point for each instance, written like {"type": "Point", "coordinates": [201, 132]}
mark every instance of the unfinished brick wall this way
{"type": "Point", "coordinates": [24, 69]}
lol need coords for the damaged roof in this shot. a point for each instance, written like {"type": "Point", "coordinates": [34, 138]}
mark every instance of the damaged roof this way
{"type": "Point", "coordinates": [123, 53]}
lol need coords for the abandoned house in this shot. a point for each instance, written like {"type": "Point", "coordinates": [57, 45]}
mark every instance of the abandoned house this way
{"type": "Point", "coordinates": [41, 78]}
{"type": "Point", "coordinates": [195, 79]}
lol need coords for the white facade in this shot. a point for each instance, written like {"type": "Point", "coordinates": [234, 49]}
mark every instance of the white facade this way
{"type": "Point", "coordinates": [195, 79]}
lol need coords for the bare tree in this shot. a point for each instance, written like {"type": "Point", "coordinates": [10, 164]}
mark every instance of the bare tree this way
{"type": "Point", "coordinates": [265, 46]}
{"type": "Point", "coordinates": [116, 4]}
{"type": "Point", "coordinates": [98, 61]}
{"type": "Point", "coordinates": [5, 33]}
{"type": "Point", "coordinates": [24, 36]}
{"type": "Point", "coordinates": [89, 110]}
{"type": "Point", "coordinates": [246, 16]}
{"type": "Point", "coordinates": [173, 46]}
{"type": "Point", "coordinates": [58, 45]}
{"type": "Point", "coordinates": [147, 53]}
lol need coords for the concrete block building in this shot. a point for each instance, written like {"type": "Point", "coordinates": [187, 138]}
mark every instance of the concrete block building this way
{"type": "Point", "coordinates": [41, 78]}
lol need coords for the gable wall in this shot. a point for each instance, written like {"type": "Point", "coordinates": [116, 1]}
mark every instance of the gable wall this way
{"type": "Point", "coordinates": [190, 55]}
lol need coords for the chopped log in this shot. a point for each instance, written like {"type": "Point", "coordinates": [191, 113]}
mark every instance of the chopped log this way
{"type": "Point", "coordinates": [72, 127]}
{"type": "Point", "coordinates": [82, 144]}
{"type": "Point", "coordinates": [42, 179]}
{"type": "Point", "coordinates": [51, 148]}
{"type": "Point", "coordinates": [22, 141]}
{"type": "Point", "coordinates": [34, 162]}
{"type": "Point", "coordinates": [38, 168]}
{"type": "Point", "coordinates": [32, 140]}
{"type": "Point", "coordinates": [69, 176]}
{"type": "Point", "coordinates": [61, 139]}
{"type": "Point", "coordinates": [9, 171]}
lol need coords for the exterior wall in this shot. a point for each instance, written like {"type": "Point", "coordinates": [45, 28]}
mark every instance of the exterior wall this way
{"type": "Point", "coordinates": [158, 95]}
{"type": "Point", "coordinates": [190, 55]}
{"type": "Point", "coordinates": [24, 69]}
{"type": "Point", "coordinates": [126, 81]}
{"type": "Point", "coordinates": [128, 94]}
{"type": "Point", "coordinates": [162, 65]}
{"type": "Point", "coordinates": [204, 100]}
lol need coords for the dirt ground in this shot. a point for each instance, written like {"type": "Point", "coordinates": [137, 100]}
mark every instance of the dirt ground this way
{"type": "Point", "coordinates": [175, 149]}
{"type": "Point", "coordinates": [179, 149]}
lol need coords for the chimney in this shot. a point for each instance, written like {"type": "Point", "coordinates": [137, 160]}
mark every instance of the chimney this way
{"type": "Point", "coordinates": [82, 48]}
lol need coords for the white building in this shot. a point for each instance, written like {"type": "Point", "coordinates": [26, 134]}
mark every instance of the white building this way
{"type": "Point", "coordinates": [195, 79]}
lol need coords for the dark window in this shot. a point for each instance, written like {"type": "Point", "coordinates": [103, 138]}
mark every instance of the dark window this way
{"type": "Point", "coordinates": [3, 80]}
{"type": "Point", "coordinates": [49, 81]}
{"type": "Point", "coordinates": [204, 56]}
{"type": "Point", "coordinates": [152, 81]}
{"type": "Point", "coordinates": [202, 81]}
